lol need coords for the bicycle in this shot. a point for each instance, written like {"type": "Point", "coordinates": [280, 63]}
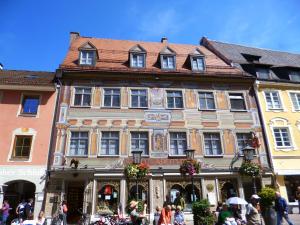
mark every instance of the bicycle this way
{"type": "Point", "coordinates": [84, 219]}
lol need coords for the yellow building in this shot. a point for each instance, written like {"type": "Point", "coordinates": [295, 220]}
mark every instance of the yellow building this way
{"type": "Point", "coordinates": [277, 91]}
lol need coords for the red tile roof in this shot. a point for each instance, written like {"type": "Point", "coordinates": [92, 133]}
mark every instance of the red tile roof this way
{"type": "Point", "coordinates": [24, 77]}
{"type": "Point", "coordinates": [114, 56]}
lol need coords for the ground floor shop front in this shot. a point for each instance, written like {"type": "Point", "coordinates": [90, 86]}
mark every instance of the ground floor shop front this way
{"type": "Point", "coordinates": [105, 191]}
{"type": "Point", "coordinates": [19, 183]}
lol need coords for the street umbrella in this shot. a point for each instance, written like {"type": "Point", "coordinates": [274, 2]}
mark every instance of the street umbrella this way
{"type": "Point", "coordinates": [236, 201]}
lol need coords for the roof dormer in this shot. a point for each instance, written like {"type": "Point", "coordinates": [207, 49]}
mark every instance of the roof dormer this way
{"type": "Point", "coordinates": [197, 60]}
{"type": "Point", "coordinates": [167, 58]}
{"type": "Point", "coordinates": [87, 54]}
{"type": "Point", "coordinates": [137, 57]}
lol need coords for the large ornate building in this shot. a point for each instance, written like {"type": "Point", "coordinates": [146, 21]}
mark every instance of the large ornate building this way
{"type": "Point", "coordinates": [117, 96]}
{"type": "Point", "coordinates": [278, 93]}
{"type": "Point", "coordinates": [27, 103]}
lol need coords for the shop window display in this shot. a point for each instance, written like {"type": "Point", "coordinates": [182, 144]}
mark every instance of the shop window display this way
{"type": "Point", "coordinates": [108, 200]}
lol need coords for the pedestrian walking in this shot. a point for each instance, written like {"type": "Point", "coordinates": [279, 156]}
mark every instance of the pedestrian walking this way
{"type": "Point", "coordinates": [63, 212]}
{"type": "Point", "coordinates": [40, 220]}
{"type": "Point", "coordinates": [20, 210]}
{"type": "Point", "coordinates": [178, 216]}
{"type": "Point", "coordinates": [5, 212]}
{"type": "Point", "coordinates": [29, 209]}
{"type": "Point", "coordinates": [156, 215]}
{"type": "Point", "coordinates": [165, 216]}
{"type": "Point", "coordinates": [281, 209]}
{"type": "Point", "coordinates": [179, 201]}
{"type": "Point", "coordinates": [253, 211]}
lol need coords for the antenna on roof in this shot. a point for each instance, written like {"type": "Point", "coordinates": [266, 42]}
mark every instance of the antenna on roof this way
{"type": "Point", "coordinates": [1, 66]}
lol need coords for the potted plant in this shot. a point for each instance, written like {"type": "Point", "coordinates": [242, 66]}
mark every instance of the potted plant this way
{"type": "Point", "coordinates": [190, 167]}
{"type": "Point", "coordinates": [136, 170]}
{"type": "Point", "coordinates": [267, 196]}
{"type": "Point", "coordinates": [202, 213]}
{"type": "Point", "coordinates": [250, 169]}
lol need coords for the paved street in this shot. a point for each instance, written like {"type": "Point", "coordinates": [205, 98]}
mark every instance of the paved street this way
{"type": "Point", "coordinates": [295, 219]}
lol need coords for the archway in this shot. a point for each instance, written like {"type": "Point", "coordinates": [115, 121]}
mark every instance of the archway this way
{"type": "Point", "coordinates": [16, 191]}
{"type": "Point", "coordinates": [228, 190]}
{"type": "Point", "coordinates": [142, 193]}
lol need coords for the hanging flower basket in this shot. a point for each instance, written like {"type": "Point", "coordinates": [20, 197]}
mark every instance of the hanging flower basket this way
{"type": "Point", "coordinates": [190, 167]}
{"type": "Point", "coordinates": [136, 170]}
{"type": "Point", "coordinates": [250, 169]}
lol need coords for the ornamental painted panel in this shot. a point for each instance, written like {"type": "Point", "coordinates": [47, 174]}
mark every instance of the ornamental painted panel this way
{"type": "Point", "coordinates": [157, 98]}
{"type": "Point", "coordinates": [155, 116]}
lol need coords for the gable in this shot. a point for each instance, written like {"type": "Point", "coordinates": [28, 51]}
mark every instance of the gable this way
{"type": "Point", "coordinates": [168, 51]}
{"type": "Point", "coordinates": [197, 52]}
{"type": "Point", "coordinates": [87, 45]}
{"type": "Point", "coordinates": [137, 48]}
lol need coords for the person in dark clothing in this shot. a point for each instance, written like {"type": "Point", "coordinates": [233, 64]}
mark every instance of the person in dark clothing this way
{"type": "Point", "coordinates": [20, 210]}
{"type": "Point", "coordinates": [29, 208]}
{"type": "Point", "coordinates": [281, 209]}
{"type": "Point", "coordinates": [298, 197]}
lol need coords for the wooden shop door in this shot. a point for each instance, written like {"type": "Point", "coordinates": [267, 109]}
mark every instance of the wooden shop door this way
{"type": "Point", "coordinates": [74, 201]}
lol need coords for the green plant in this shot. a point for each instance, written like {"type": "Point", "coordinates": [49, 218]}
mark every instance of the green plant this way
{"type": "Point", "coordinates": [189, 166]}
{"type": "Point", "coordinates": [136, 170]}
{"type": "Point", "coordinates": [250, 169]}
{"type": "Point", "coordinates": [267, 196]}
{"type": "Point", "coordinates": [202, 213]}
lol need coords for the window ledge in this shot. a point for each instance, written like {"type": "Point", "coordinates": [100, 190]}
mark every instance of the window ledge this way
{"type": "Point", "coordinates": [108, 107]}
{"type": "Point", "coordinates": [138, 107]}
{"type": "Point", "coordinates": [27, 115]}
{"type": "Point", "coordinates": [20, 159]}
{"type": "Point", "coordinates": [177, 156]}
{"type": "Point", "coordinates": [174, 108]}
{"type": "Point", "coordinates": [213, 156]}
{"type": "Point", "coordinates": [78, 106]}
{"type": "Point", "coordinates": [108, 156]}
{"type": "Point", "coordinates": [76, 156]}
{"type": "Point", "coordinates": [207, 110]}
{"type": "Point", "coordinates": [238, 110]}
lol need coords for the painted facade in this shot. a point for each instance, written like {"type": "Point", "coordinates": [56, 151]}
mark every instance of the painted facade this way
{"type": "Point", "coordinates": [277, 89]}
{"type": "Point", "coordinates": [27, 109]}
{"type": "Point", "coordinates": [100, 121]}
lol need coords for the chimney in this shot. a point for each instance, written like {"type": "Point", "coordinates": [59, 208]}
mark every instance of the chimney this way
{"type": "Point", "coordinates": [164, 40]}
{"type": "Point", "coordinates": [73, 36]}
{"type": "Point", "coordinates": [1, 66]}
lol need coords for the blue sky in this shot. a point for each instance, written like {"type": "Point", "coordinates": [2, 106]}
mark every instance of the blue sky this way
{"type": "Point", "coordinates": [34, 34]}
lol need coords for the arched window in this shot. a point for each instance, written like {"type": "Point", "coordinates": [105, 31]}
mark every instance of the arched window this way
{"type": "Point", "coordinates": [142, 193]}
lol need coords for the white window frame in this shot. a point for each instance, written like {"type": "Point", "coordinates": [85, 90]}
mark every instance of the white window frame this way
{"type": "Point", "coordinates": [289, 136]}
{"type": "Point", "coordinates": [103, 98]}
{"type": "Point", "coordinates": [130, 139]}
{"type": "Point", "coordinates": [88, 52]}
{"type": "Point", "coordinates": [166, 98]}
{"type": "Point", "coordinates": [142, 55]}
{"type": "Point", "coordinates": [279, 98]}
{"type": "Point", "coordinates": [236, 139]}
{"type": "Point", "coordinates": [168, 62]}
{"type": "Point", "coordinates": [192, 63]}
{"type": "Point", "coordinates": [69, 136]}
{"type": "Point", "coordinates": [169, 141]}
{"type": "Point", "coordinates": [214, 98]}
{"type": "Point", "coordinates": [73, 97]}
{"type": "Point", "coordinates": [290, 96]}
{"type": "Point", "coordinates": [244, 98]}
{"type": "Point", "coordinates": [130, 95]}
{"type": "Point", "coordinates": [221, 143]}
{"type": "Point", "coordinates": [100, 143]}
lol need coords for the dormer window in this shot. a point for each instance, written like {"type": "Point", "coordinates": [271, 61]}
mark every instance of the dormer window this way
{"type": "Point", "coordinates": [263, 73]}
{"type": "Point", "coordinates": [197, 61]}
{"type": "Point", "coordinates": [294, 76]}
{"type": "Point", "coordinates": [87, 57]}
{"type": "Point", "coordinates": [87, 54]}
{"type": "Point", "coordinates": [168, 59]}
{"type": "Point", "coordinates": [137, 57]}
{"type": "Point", "coordinates": [168, 62]}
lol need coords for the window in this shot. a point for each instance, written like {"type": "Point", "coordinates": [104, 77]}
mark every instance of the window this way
{"type": "Point", "coordinates": [198, 63]}
{"type": "Point", "coordinates": [82, 97]}
{"type": "Point", "coordinates": [79, 143]}
{"type": "Point", "coordinates": [296, 100]}
{"type": "Point", "coordinates": [273, 100]}
{"type": "Point", "coordinates": [212, 144]}
{"type": "Point", "coordinates": [139, 98]}
{"type": "Point", "coordinates": [139, 141]}
{"type": "Point", "coordinates": [263, 73]}
{"type": "Point", "coordinates": [237, 101]}
{"type": "Point", "coordinates": [87, 57]}
{"type": "Point", "coordinates": [282, 137]}
{"type": "Point", "coordinates": [178, 143]}
{"type": "Point", "coordinates": [295, 76]}
{"type": "Point", "coordinates": [206, 100]}
{"type": "Point", "coordinates": [168, 62]}
{"type": "Point", "coordinates": [112, 98]}
{"type": "Point", "coordinates": [137, 60]}
{"type": "Point", "coordinates": [30, 104]}
{"type": "Point", "coordinates": [110, 143]}
{"type": "Point", "coordinates": [174, 99]}
{"type": "Point", "coordinates": [243, 139]}
{"type": "Point", "coordinates": [22, 147]}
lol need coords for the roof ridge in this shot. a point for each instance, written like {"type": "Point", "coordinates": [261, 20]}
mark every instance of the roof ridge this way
{"type": "Point", "coordinates": [139, 41]}
{"type": "Point", "coordinates": [247, 46]}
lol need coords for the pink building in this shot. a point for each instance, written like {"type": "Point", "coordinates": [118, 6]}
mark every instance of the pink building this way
{"type": "Point", "coordinates": [27, 105]}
